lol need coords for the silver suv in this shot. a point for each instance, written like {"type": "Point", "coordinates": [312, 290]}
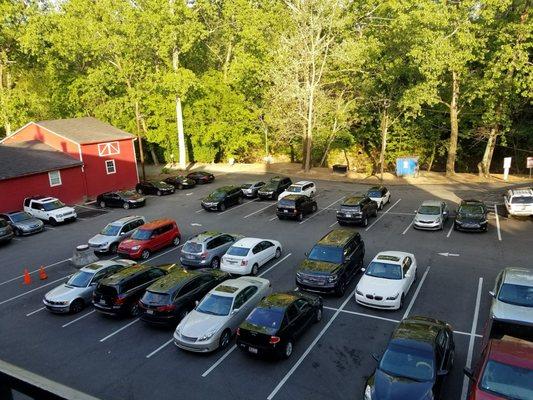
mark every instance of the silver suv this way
{"type": "Point", "coordinates": [114, 233]}
{"type": "Point", "coordinates": [206, 249]}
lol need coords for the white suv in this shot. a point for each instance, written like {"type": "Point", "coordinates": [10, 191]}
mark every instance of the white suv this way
{"type": "Point", "coordinates": [306, 188]}
{"type": "Point", "coordinates": [519, 202]}
{"type": "Point", "coordinates": [49, 209]}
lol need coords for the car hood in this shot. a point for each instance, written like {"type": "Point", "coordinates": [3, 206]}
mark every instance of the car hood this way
{"type": "Point", "coordinates": [197, 324]}
{"type": "Point", "coordinates": [101, 239]}
{"type": "Point", "coordinates": [427, 217]}
{"type": "Point", "coordinates": [129, 243]}
{"type": "Point", "coordinates": [318, 267]}
{"type": "Point", "coordinates": [396, 388]}
{"type": "Point", "coordinates": [64, 292]}
{"type": "Point", "coordinates": [511, 312]}
{"type": "Point", "coordinates": [63, 210]}
{"type": "Point", "coordinates": [29, 223]}
{"type": "Point", "coordinates": [212, 199]}
{"type": "Point", "coordinates": [379, 286]}
{"type": "Point", "coordinates": [476, 219]}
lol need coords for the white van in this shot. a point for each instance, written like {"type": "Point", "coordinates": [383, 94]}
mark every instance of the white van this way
{"type": "Point", "coordinates": [519, 202]}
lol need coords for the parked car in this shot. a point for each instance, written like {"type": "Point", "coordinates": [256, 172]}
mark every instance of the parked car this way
{"type": "Point", "coordinates": [123, 198]}
{"type": "Point", "coordinates": [471, 216]}
{"type": "Point", "coordinates": [115, 232]}
{"type": "Point", "coordinates": [150, 237]}
{"type": "Point", "coordinates": [519, 202]}
{"type": "Point", "coordinates": [357, 210]}
{"type": "Point", "coordinates": [171, 298]}
{"type": "Point", "coordinates": [504, 371]}
{"type": "Point", "coordinates": [119, 294]}
{"type": "Point", "coordinates": [222, 198]}
{"type": "Point", "coordinates": [277, 322]}
{"type": "Point", "coordinates": [180, 182]}
{"type": "Point", "coordinates": [295, 206]}
{"type": "Point", "coordinates": [49, 209]}
{"type": "Point", "coordinates": [6, 232]}
{"type": "Point", "coordinates": [387, 280]}
{"type": "Point", "coordinates": [250, 189]}
{"type": "Point", "coordinates": [214, 321]}
{"type": "Point", "coordinates": [247, 255]}
{"type": "Point", "coordinates": [431, 215]}
{"type": "Point", "coordinates": [201, 177]}
{"type": "Point", "coordinates": [206, 249]}
{"type": "Point", "coordinates": [379, 194]}
{"type": "Point", "coordinates": [77, 292]}
{"type": "Point", "coordinates": [158, 188]}
{"type": "Point", "coordinates": [23, 223]}
{"type": "Point", "coordinates": [274, 188]}
{"type": "Point", "coordinates": [332, 262]}
{"type": "Point", "coordinates": [416, 362]}
{"type": "Point", "coordinates": [306, 188]}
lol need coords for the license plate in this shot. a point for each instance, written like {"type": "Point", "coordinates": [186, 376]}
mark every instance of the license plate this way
{"type": "Point", "coordinates": [189, 256]}
{"type": "Point", "coordinates": [285, 211]}
{"type": "Point", "coordinates": [252, 350]}
{"type": "Point", "coordinates": [149, 312]}
{"type": "Point", "coordinates": [348, 215]}
{"type": "Point", "coordinates": [102, 301]}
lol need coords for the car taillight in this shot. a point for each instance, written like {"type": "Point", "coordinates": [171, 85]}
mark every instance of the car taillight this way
{"type": "Point", "coordinates": [274, 339]}
{"type": "Point", "coordinates": [166, 308]}
{"type": "Point", "coordinates": [119, 300]}
{"type": "Point", "coordinates": [238, 331]}
{"type": "Point", "coordinates": [244, 262]}
{"type": "Point", "coordinates": [203, 256]}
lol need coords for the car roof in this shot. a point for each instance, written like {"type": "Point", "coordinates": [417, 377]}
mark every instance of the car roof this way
{"type": "Point", "coordinates": [204, 236]}
{"type": "Point", "coordinates": [232, 287]}
{"type": "Point", "coordinates": [521, 192]}
{"type": "Point", "coordinates": [392, 257]}
{"type": "Point", "coordinates": [156, 223]}
{"type": "Point", "coordinates": [301, 183]}
{"type": "Point", "coordinates": [124, 274]}
{"type": "Point", "coordinates": [247, 242]}
{"type": "Point", "coordinates": [337, 237]}
{"type": "Point", "coordinates": [353, 199]}
{"type": "Point", "coordinates": [173, 280]}
{"type": "Point", "coordinates": [43, 199]}
{"type": "Point", "coordinates": [226, 188]}
{"type": "Point", "coordinates": [436, 203]}
{"type": "Point", "coordinates": [279, 300]}
{"type": "Point", "coordinates": [125, 220]}
{"type": "Point", "coordinates": [518, 276]}
{"type": "Point", "coordinates": [98, 265]}
{"type": "Point", "coordinates": [417, 331]}
{"type": "Point", "coordinates": [293, 197]}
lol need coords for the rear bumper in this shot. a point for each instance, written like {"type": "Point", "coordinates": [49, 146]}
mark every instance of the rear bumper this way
{"type": "Point", "coordinates": [355, 219]}
{"type": "Point", "coordinates": [235, 269]}
{"type": "Point", "coordinates": [108, 310]}
{"type": "Point", "coordinates": [194, 263]}
{"type": "Point", "coordinates": [289, 214]}
{"type": "Point", "coordinates": [261, 349]}
{"type": "Point", "coordinates": [264, 196]}
{"type": "Point", "coordinates": [158, 319]}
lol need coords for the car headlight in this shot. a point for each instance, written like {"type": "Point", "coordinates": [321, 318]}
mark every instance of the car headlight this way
{"type": "Point", "coordinates": [368, 393]}
{"type": "Point", "coordinates": [437, 221]}
{"type": "Point", "coordinates": [207, 336]}
{"type": "Point", "coordinates": [393, 297]}
{"type": "Point", "coordinates": [357, 291]}
{"type": "Point", "coordinates": [135, 248]}
{"type": "Point", "coordinates": [333, 278]}
{"type": "Point", "coordinates": [178, 330]}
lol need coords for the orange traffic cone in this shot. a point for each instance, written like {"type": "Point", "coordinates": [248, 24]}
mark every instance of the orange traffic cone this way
{"type": "Point", "coordinates": [42, 274]}
{"type": "Point", "coordinates": [27, 277]}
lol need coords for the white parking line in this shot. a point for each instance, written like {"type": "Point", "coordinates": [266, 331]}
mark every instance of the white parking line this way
{"type": "Point", "coordinates": [273, 218]}
{"type": "Point", "coordinates": [33, 272]}
{"type": "Point", "coordinates": [406, 229]}
{"type": "Point", "coordinates": [416, 293]}
{"type": "Point", "coordinates": [308, 350]}
{"type": "Point", "coordinates": [472, 337]}
{"type": "Point", "coordinates": [33, 290]}
{"type": "Point", "coordinates": [88, 208]}
{"type": "Point", "coordinates": [199, 211]}
{"type": "Point", "coordinates": [258, 211]}
{"type": "Point", "coordinates": [35, 312]}
{"type": "Point", "coordinates": [16, 239]}
{"type": "Point", "coordinates": [119, 330]}
{"type": "Point", "coordinates": [275, 265]}
{"type": "Point", "coordinates": [235, 207]}
{"type": "Point", "coordinates": [162, 254]}
{"type": "Point", "coordinates": [382, 215]}
{"type": "Point", "coordinates": [333, 224]}
{"type": "Point", "coordinates": [77, 319]}
{"type": "Point", "coordinates": [189, 194]}
{"type": "Point", "coordinates": [450, 231]}
{"type": "Point", "coordinates": [497, 222]}
{"type": "Point", "coordinates": [324, 209]}
{"type": "Point", "coordinates": [363, 315]}
{"type": "Point", "coordinates": [401, 213]}
{"type": "Point", "coordinates": [160, 348]}
{"type": "Point", "coordinates": [49, 227]}
{"type": "Point", "coordinates": [467, 334]}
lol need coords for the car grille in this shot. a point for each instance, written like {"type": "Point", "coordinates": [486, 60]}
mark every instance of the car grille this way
{"type": "Point", "coordinates": [372, 297]}
{"type": "Point", "coordinates": [189, 338]}
{"type": "Point", "coordinates": [54, 303]}
{"type": "Point", "coordinates": [426, 222]}
{"type": "Point", "coordinates": [312, 278]}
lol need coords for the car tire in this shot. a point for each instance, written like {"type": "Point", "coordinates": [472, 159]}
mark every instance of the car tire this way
{"type": "Point", "coordinates": [222, 207]}
{"type": "Point", "coordinates": [301, 216]}
{"type": "Point", "coordinates": [52, 221]}
{"type": "Point", "coordinates": [401, 302]}
{"type": "Point", "coordinates": [380, 206]}
{"type": "Point", "coordinates": [126, 205]}
{"type": "Point", "coordinates": [375, 213]}
{"type": "Point", "coordinates": [240, 200]}
{"type": "Point", "coordinates": [145, 255]}
{"type": "Point", "coordinates": [76, 306]}
{"type": "Point", "coordinates": [314, 208]}
{"type": "Point", "coordinates": [17, 232]}
{"type": "Point", "coordinates": [224, 339]}
{"type": "Point", "coordinates": [215, 263]}
{"type": "Point", "coordinates": [135, 309]}
{"type": "Point", "coordinates": [180, 186]}
{"type": "Point", "coordinates": [365, 221]}
{"type": "Point", "coordinates": [339, 292]}
{"type": "Point", "coordinates": [287, 350]}
{"type": "Point", "coordinates": [140, 191]}
{"type": "Point", "coordinates": [176, 241]}
{"type": "Point", "coordinates": [255, 268]}
{"type": "Point", "coordinates": [113, 247]}
{"type": "Point", "coordinates": [102, 204]}
{"type": "Point", "coordinates": [278, 253]}
{"type": "Point", "coordinates": [341, 223]}
{"type": "Point", "coordinates": [159, 193]}
{"type": "Point", "coordinates": [318, 315]}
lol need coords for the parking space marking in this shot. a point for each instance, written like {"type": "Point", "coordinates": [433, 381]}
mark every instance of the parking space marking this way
{"type": "Point", "coordinates": [497, 222]}
{"type": "Point", "coordinates": [162, 254]}
{"type": "Point", "coordinates": [275, 265]}
{"type": "Point", "coordinates": [401, 213]}
{"type": "Point", "coordinates": [189, 194]}
{"type": "Point", "coordinates": [382, 215]}
{"type": "Point", "coordinates": [416, 293]}
{"type": "Point", "coordinates": [467, 334]}
{"type": "Point", "coordinates": [77, 319]}
{"type": "Point", "coordinates": [450, 231]}
{"type": "Point", "coordinates": [33, 272]}
{"type": "Point", "coordinates": [33, 290]}
{"type": "Point", "coordinates": [318, 212]}
{"type": "Point", "coordinates": [119, 330]}
{"type": "Point", "coordinates": [308, 350]}
{"type": "Point", "coordinates": [49, 227]}
{"type": "Point", "coordinates": [333, 224]}
{"type": "Point", "coordinates": [258, 211]}
{"type": "Point", "coordinates": [363, 315]}
{"type": "Point", "coordinates": [16, 239]}
{"type": "Point", "coordinates": [160, 348]}
{"type": "Point", "coordinates": [235, 207]}
{"type": "Point", "coordinates": [472, 337]}
{"type": "Point", "coordinates": [36, 311]}
{"type": "Point", "coordinates": [406, 229]}
{"type": "Point", "coordinates": [273, 218]}
{"type": "Point", "coordinates": [199, 211]}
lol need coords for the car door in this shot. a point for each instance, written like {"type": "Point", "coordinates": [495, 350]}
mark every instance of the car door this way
{"type": "Point", "coordinates": [441, 359]}
{"type": "Point", "coordinates": [350, 259]}
{"type": "Point", "coordinates": [238, 311]}
{"type": "Point", "coordinates": [293, 322]}
{"type": "Point", "coordinates": [268, 251]}
{"type": "Point", "coordinates": [37, 210]}
{"type": "Point", "coordinates": [255, 255]}
{"type": "Point", "coordinates": [306, 313]}
{"type": "Point", "coordinates": [189, 293]}
{"type": "Point", "coordinates": [251, 298]}
{"type": "Point", "coordinates": [224, 243]}
{"type": "Point", "coordinates": [158, 238]}
{"type": "Point", "coordinates": [408, 273]}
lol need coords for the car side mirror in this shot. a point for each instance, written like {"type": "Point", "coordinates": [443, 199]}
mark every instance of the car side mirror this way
{"type": "Point", "coordinates": [468, 372]}
{"type": "Point", "coordinates": [445, 213]}
{"type": "Point", "coordinates": [235, 311]}
{"type": "Point", "coordinates": [122, 233]}
{"type": "Point", "coordinates": [416, 211]}
{"type": "Point", "coordinates": [196, 303]}
{"type": "Point", "coordinates": [306, 254]}
{"type": "Point", "coordinates": [363, 269]}
{"type": "Point", "coordinates": [491, 292]}
{"type": "Point", "coordinates": [376, 357]}
{"type": "Point", "coordinates": [94, 283]}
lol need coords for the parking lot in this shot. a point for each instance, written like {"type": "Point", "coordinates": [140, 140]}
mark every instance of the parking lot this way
{"type": "Point", "coordinates": [126, 359]}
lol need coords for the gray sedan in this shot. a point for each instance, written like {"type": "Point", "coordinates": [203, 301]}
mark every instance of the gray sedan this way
{"type": "Point", "coordinates": [23, 223]}
{"type": "Point", "coordinates": [431, 215]}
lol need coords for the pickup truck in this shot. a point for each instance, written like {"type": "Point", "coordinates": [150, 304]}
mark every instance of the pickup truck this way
{"type": "Point", "coordinates": [49, 209]}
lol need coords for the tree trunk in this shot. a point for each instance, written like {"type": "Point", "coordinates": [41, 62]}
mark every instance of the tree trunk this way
{"type": "Point", "coordinates": [181, 135]}
{"type": "Point", "coordinates": [432, 158]}
{"type": "Point", "coordinates": [139, 138]}
{"type": "Point", "coordinates": [484, 165]}
{"type": "Point", "coordinates": [330, 141]}
{"type": "Point", "coordinates": [384, 131]}
{"type": "Point", "coordinates": [454, 126]}
{"type": "Point", "coordinates": [347, 160]}
{"type": "Point", "coordinates": [155, 160]}
{"type": "Point", "coordinates": [309, 132]}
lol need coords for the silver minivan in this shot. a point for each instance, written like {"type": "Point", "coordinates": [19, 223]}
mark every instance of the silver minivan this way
{"type": "Point", "coordinates": [114, 233]}
{"type": "Point", "coordinates": [206, 249]}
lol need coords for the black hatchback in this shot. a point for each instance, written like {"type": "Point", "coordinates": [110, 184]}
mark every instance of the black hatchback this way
{"type": "Point", "coordinates": [295, 206]}
{"type": "Point", "coordinates": [357, 210]}
{"type": "Point", "coordinates": [171, 298]}
{"type": "Point", "coordinates": [277, 321]}
{"type": "Point", "coordinates": [124, 198]}
{"type": "Point", "coordinates": [416, 362]}
{"type": "Point", "coordinates": [471, 216]}
{"type": "Point", "coordinates": [222, 198]}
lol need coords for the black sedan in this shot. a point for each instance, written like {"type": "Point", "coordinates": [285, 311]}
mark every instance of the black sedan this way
{"type": "Point", "coordinates": [154, 187]}
{"type": "Point", "coordinates": [418, 358]}
{"type": "Point", "coordinates": [223, 198]}
{"type": "Point", "coordinates": [169, 299]}
{"type": "Point", "coordinates": [125, 199]}
{"type": "Point", "coordinates": [201, 177]}
{"type": "Point", "coordinates": [471, 216]}
{"type": "Point", "coordinates": [279, 319]}
{"type": "Point", "coordinates": [180, 182]}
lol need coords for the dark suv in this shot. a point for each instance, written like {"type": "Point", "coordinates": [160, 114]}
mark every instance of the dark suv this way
{"type": "Point", "coordinates": [471, 216]}
{"type": "Point", "coordinates": [295, 206]}
{"type": "Point", "coordinates": [357, 210]}
{"type": "Point", "coordinates": [6, 232]}
{"type": "Point", "coordinates": [274, 188]}
{"type": "Point", "coordinates": [120, 293]}
{"type": "Point", "coordinates": [171, 298]}
{"type": "Point", "coordinates": [223, 198]}
{"type": "Point", "coordinates": [332, 262]}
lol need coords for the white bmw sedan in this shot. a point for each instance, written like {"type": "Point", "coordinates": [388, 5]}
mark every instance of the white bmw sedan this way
{"type": "Point", "coordinates": [387, 280]}
{"type": "Point", "coordinates": [216, 318]}
{"type": "Point", "coordinates": [245, 256]}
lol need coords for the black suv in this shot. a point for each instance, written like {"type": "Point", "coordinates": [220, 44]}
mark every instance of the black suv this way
{"type": "Point", "coordinates": [169, 299]}
{"type": "Point", "coordinates": [357, 210]}
{"type": "Point", "coordinates": [180, 182]}
{"type": "Point", "coordinates": [295, 206]}
{"type": "Point", "coordinates": [274, 188]}
{"type": "Point", "coordinates": [223, 198]}
{"type": "Point", "coordinates": [119, 294]}
{"type": "Point", "coordinates": [125, 199]}
{"type": "Point", "coordinates": [332, 262]}
{"type": "Point", "coordinates": [158, 188]}
{"type": "Point", "coordinates": [471, 216]}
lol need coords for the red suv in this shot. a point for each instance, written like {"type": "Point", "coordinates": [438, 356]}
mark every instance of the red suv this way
{"type": "Point", "coordinates": [150, 237]}
{"type": "Point", "coordinates": [505, 371]}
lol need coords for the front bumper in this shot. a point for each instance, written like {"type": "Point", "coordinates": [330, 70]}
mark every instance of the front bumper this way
{"type": "Point", "coordinates": [31, 231]}
{"type": "Point", "coordinates": [476, 227]}
{"type": "Point", "coordinates": [379, 304]}
{"type": "Point", "coordinates": [56, 308]}
{"type": "Point", "coordinates": [67, 218]}
{"type": "Point", "coordinates": [136, 204]}
{"type": "Point", "coordinates": [207, 346]}
{"type": "Point", "coordinates": [326, 287]}
{"type": "Point", "coordinates": [99, 248]}
{"type": "Point", "coordinates": [129, 253]}
{"type": "Point", "coordinates": [210, 207]}
{"type": "Point", "coordinates": [267, 196]}
{"type": "Point", "coordinates": [429, 226]}
{"type": "Point", "coordinates": [7, 237]}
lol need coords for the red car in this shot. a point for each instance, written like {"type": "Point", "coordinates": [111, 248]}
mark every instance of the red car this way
{"type": "Point", "coordinates": [505, 371]}
{"type": "Point", "coordinates": [150, 237]}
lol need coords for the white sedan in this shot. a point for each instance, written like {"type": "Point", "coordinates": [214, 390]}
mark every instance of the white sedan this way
{"type": "Point", "coordinates": [306, 188]}
{"type": "Point", "coordinates": [245, 256]}
{"type": "Point", "coordinates": [216, 318]}
{"type": "Point", "coordinates": [387, 280]}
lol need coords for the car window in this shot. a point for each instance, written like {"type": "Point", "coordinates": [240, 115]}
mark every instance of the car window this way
{"type": "Point", "coordinates": [406, 265]}
{"type": "Point", "coordinates": [226, 239]}
{"type": "Point", "coordinates": [350, 248]}
{"type": "Point", "coordinates": [240, 299]}
{"type": "Point", "coordinates": [98, 276]}
{"type": "Point", "coordinates": [292, 312]}
{"type": "Point", "coordinates": [266, 245]}
{"type": "Point", "coordinates": [154, 273]}
{"type": "Point", "coordinates": [26, 202]}
{"type": "Point", "coordinates": [257, 248]}
{"type": "Point", "coordinates": [212, 244]}
{"type": "Point", "coordinates": [189, 287]}
{"type": "Point", "coordinates": [301, 304]}
{"type": "Point", "coordinates": [132, 283]}
{"type": "Point", "coordinates": [250, 291]}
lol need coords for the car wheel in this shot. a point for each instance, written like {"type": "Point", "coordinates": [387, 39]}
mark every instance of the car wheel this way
{"type": "Point", "coordinates": [159, 193]}
{"type": "Point", "coordinates": [17, 232]}
{"type": "Point", "coordinates": [301, 216]}
{"type": "Point", "coordinates": [287, 351]}
{"type": "Point", "coordinates": [254, 269]}
{"type": "Point", "coordinates": [135, 310]}
{"type": "Point", "coordinates": [365, 221]}
{"type": "Point", "coordinates": [140, 191]}
{"type": "Point", "coordinates": [318, 315]}
{"type": "Point", "coordinates": [102, 204]}
{"type": "Point", "coordinates": [113, 248]}
{"type": "Point", "coordinates": [180, 186]}
{"type": "Point", "coordinates": [341, 223]}
{"type": "Point", "coordinates": [380, 206]}
{"type": "Point", "coordinates": [313, 209]}
{"type": "Point", "coordinates": [375, 212]}
{"type": "Point", "coordinates": [224, 339]}
{"type": "Point", "coordinates": [278, 253]}
{"type": "Point", "coordinates": [145, 254]}
{"type": "Point", "coordinates": [76, 306]}
{"type": "Point", "coordinates": [240, 200]}
{"type": "Point", "coordinates": [176, 241]}
{"type": "Point", "coordinates": [52, 221]}
{"type": "Point", "coordinates": [222, 207]}
{"type": "Point", "coordinates": [401, 301]}
{"type": "Point", "coordinates": [341, 289]}
{"type": "Point", "coordinates": [215, 263]}
{"type": "Point", "coordinates": [126, 205]}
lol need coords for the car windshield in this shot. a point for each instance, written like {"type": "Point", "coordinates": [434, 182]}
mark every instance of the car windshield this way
{"type": "Point", "coordinates": [80, 279]}
{"type": "Point", "coordinates": [155, 298]}
{"type": "Point", "coordinates": [429, 210]}
{"type": "Point", "coordinates": [20, 216]}
{"type": "Point", "coordinates": [518, 295]}
{"type": "Point", "coordinates": [286, 203]}
{"type": "Point", "coordinates": [384, 270]}
{"type": "Point", "coordinates": [268, 318]}
{"type": "Point", "coordinates": [509, 381]}
{"type": "Point", "coordinates": [326, 254]}
{"type": "Point", "coordinates": [192, 247]}
{"type": "Point", "coordinates": [141, 234]}
{"type": "Point", "coordinates": [237, 251]}
{"type": "Point", "coordinates": [522, 200]}
{"type": "Point", "coordinates": [246, 186]}
{"type": "Point", "coordinates": [374, 193]}
{"type": "Point", "coordinates": [271, 185]}
{"type": "Point", "coordinates": [471, 210]}
{"type": "Point", "coordinates": [110, 230]}
{"type": "Point", "coordinates": [294, 189]}
{"type": "Point", "coordinates": [215, 305]}
{"type": "Point", "coordinates": [53, 205]}
{"type": "Point", "coordinates": [217, 195]}
{"type": "Point", "coordinates": [407, 362]}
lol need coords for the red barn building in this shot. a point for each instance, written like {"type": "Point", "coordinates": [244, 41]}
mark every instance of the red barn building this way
{"type": "Point", "coordinates": [72, 159]}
